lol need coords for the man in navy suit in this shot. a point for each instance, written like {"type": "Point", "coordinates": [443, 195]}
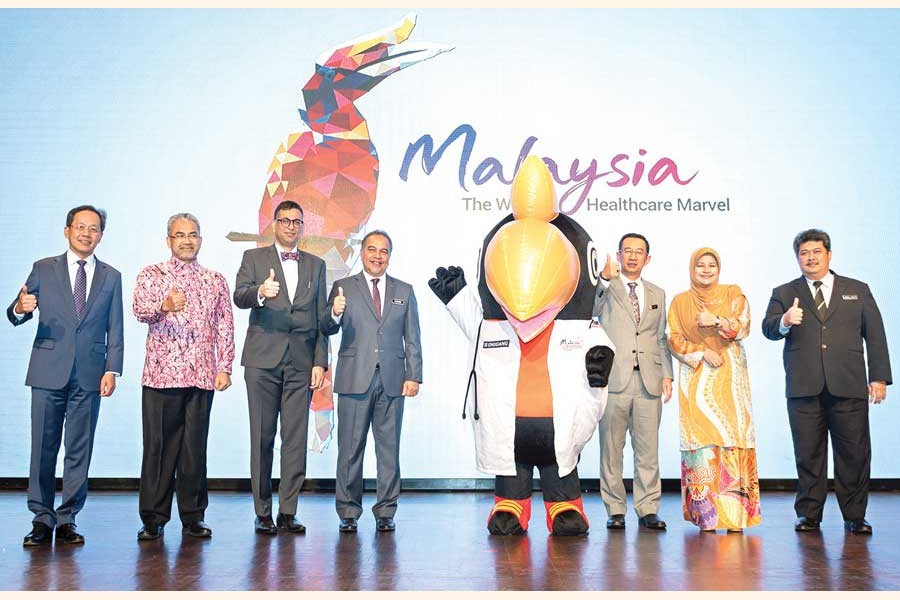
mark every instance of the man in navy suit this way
{"type": "Point", "coordinates": [824, 319]}
{"type": "Point", "coordinates": [379, 362]}
{"type": "Point", "coordinates": [76, 357]}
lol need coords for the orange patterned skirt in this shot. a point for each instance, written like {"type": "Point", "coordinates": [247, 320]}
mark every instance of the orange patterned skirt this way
{"type": "Point", "coordinates": [720, 487]}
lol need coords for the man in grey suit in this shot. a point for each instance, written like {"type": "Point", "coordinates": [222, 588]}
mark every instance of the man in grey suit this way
{"type": "Point", "coordinates": [379, 362]}
{"type": "Point", "coordinates": [76, 357]}
{"type": "Point", "coordinates": [284, 358]}
{"type": "Point", "coordinates": [633, 314]}
{"type": "Point", "coordinates": [824, 319]}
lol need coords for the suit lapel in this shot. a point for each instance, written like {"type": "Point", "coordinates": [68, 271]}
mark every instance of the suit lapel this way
{"type": "Point", "coordinates": [835, 298]}
{"type": "Point", "coordinates": [649, 300]}
{"type": "Point", "coordinates": [279, 272]}
{"type": "Point", "coordinates": [621, 296]}
{"type": "Point", "coordinates": [801, 291]}
{"type": "Point", "coordinates": [387, 297]}
{"type": "Point", "coordinates": [617, 289]}
{"type": "Point", "coordinates": [302, 267]}
{"type": "Point", "coordinates": [65, 284]}
{"type": "Point", "coordinates": [100, 273]}
{"type": "Point", "coordinates": [363, 286]}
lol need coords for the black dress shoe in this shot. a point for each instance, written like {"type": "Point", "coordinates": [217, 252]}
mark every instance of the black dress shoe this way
{"type": "Point", "coordinates": [197, 529]}
{"type": "Point", "coordinates": [68, 534]}
{"type": "Point", "coordinates": [652, 521]}
{"type": "Point", "coordinates": [385, 524]}
{"type": "Point", "coordinates": [150, 532]}
{"type": "Point", "coordinates": [615, 522]}
{"type": "Point", "coordinates": [41, 535]}
{"type": "Point", "coordinates": [290, 523]}
{"type": "Point", "coordinates": [858, 527]}
{"type": "Point", "coordinates": [265, 525]}
{"type": "Point", "coordinates": [806, 524]}
{"type": "Point", "coordinates": [347, 525]}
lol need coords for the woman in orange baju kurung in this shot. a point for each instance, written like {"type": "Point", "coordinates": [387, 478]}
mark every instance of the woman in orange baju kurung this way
{"type": "Point", "coordinates": [719, 482]}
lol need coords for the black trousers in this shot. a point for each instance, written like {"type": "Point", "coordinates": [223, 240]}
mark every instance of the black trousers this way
{"type": "Point", "coordinates": [176, 427]}
{"type": "Point", "coordinates": [812, 418]}
{"type": "Point", "coordinates": [534, 447]}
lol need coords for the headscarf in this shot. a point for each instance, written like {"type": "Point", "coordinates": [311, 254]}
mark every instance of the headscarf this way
{"type": "Point", "coordinates": [715, 298]}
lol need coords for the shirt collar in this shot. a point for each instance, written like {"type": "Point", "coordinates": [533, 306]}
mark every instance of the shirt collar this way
{"type": "Point", "coordinates": [72, 259]}
{"type": "Point", "coordinates": [626, 280]}
{"type": "Point", "coordinates": [178, 264]}
{"type": "Point", "coordinates": [827, 281]}
{"type": "Point", "coordinates": [369, 278]}
{"type": "Point", "coordinates": [280, 249]}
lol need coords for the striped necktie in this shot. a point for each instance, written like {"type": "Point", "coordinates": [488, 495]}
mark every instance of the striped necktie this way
{"type": "Point", "coordinates": [819, 298]}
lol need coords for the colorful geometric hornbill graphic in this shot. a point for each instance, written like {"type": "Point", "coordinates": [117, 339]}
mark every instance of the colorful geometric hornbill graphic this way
{"type": "Point", "coordinates": [331, 170]}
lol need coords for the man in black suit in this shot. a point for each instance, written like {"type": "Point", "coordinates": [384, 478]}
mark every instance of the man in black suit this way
{"type": "Point", "coordinates": [824, 319]}
{"type": "Point", "coordinates": [76, 356]}
{"type": "Point", "coordinates": [284, 358]}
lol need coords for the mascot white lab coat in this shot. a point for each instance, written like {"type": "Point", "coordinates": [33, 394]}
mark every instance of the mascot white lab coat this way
{"type": "Point", "coordinates": [577, 407]}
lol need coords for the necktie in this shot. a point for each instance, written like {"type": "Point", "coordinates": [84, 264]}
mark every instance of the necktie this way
{"type": "Point", "coordinates": [819, 298]}
{"type": "Point", "coordinates": [376, 298]}
{"type": "Point", "coordinates": [290, 256]}
{"type": "Point", "coordinates": [635, 306]}
{"type": "Point", "coordinates": [80, 290]}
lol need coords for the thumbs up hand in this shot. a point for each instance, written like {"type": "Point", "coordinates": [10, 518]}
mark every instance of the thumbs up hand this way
{"type": "Point", "coordinates": [174, 302]}
{"type": "Point", "coordinates": [269, 287]}
{"type": "Point", "coordinates": [27, 302]}
{"type": "Point", "coordinates": [610, 269]}
{"type": "Point", "coordinates": [794, 315]}
{"type": "Point", "coordinates": [340, 303]}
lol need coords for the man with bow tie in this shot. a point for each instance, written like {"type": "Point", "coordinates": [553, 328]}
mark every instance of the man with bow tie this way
{"type": "Point", "coordinates": [284, 359]}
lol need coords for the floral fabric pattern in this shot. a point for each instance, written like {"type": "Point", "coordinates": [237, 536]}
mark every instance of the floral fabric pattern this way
{"type": "Point", "coordinates": [190, 347]}
{"type": "Point", "coordinates": [720, 487]}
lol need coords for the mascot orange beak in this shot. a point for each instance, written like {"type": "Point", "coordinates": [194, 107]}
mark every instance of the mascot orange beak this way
{"type": "Point", "coordinates": [530, 267]}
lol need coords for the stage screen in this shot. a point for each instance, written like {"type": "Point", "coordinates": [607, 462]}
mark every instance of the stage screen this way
{"type": "Point", "coordinates": [733, 129]}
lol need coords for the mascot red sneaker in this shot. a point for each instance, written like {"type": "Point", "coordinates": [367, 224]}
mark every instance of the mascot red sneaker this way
{"type": "Point", "coordinates": [540, 366]}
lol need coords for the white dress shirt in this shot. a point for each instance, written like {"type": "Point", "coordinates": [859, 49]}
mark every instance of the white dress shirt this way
{"type": "Point", "coordinates": [89, 267]}
{"type": "Point", "coordinates": [291, 271]}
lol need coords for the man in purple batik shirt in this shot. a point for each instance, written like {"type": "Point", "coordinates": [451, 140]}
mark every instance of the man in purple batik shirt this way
{"type": "Point", "coordinates": [190, 349]}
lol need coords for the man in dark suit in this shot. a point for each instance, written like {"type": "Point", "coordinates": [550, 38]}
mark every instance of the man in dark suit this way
{"type": "Point", "coordinates": [824, 319]}
{"type": "Point", "coordinates": [284, 358]}
{"type": "Point", "coordinates": [379, 362]}
{"type": "Point", "coordinates": [633, 312]}
{"type": "Point", "coordinates": [76, 357]}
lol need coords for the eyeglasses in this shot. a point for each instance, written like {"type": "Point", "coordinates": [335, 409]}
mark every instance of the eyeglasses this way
{"type": "Point", "coordinates": [637, 252]}
{"type": "Point", "coordinates": [181, 236]}
{"type": "Point", "coordinates": [285, 222]}
{"type": "Point", "coordinates": [81, 228]}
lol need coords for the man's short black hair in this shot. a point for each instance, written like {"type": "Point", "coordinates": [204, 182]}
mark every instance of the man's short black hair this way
{"type": "Point", "coordinates": [811, 235]}
{"type": "Point", "coordinates": [383, 234]}
{"type": "Point", "coordinates": [287, 205]}
{"type": "Point", "coordinates": [97, 211]}
{"type": "Point", "coordinates": [635, 235]}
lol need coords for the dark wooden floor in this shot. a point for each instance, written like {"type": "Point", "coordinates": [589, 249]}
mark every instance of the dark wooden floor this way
{"type": "Point", "coordinates": [441, 544]}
